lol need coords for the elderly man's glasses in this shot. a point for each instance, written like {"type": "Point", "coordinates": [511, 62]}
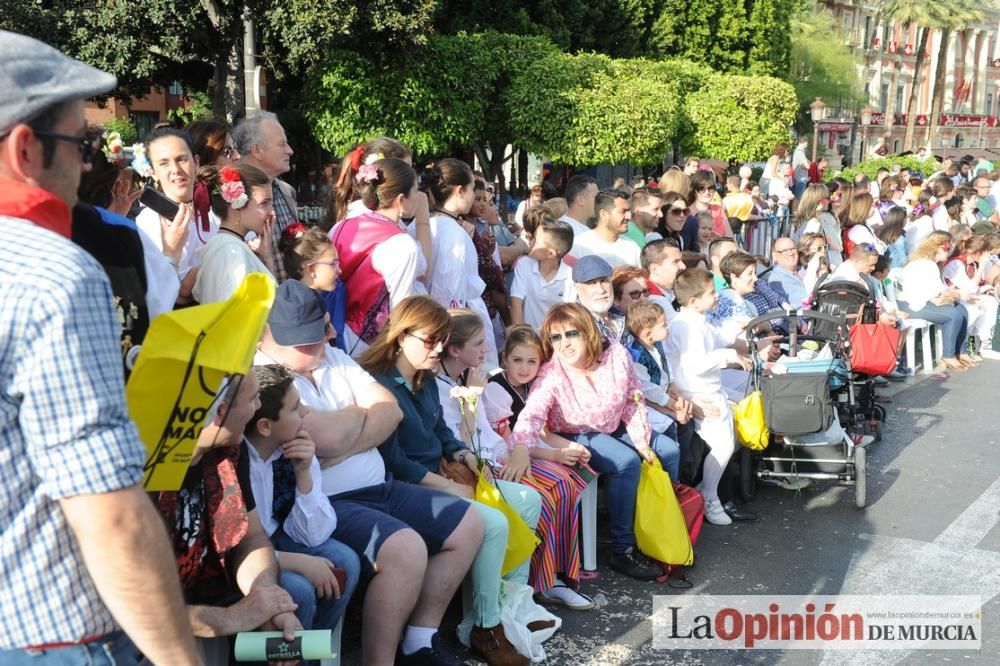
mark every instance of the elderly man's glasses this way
{"type": "Point", "coordinates": [88, 144]}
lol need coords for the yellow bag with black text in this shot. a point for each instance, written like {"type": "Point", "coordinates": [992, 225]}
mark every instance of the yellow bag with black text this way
{"type": "Point", "coordinates": [748, 417]}
{"type": "Point", "coordinates": [660, 529]}
{"type": "Point", "coordinates": [521, 539]}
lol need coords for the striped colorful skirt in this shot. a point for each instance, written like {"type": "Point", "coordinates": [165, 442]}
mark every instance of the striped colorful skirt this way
{"type": "Point", "coordinates": [558, 554]}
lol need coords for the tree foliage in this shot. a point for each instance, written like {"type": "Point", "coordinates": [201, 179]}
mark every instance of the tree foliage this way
{"type": "Point", "coordinates": [741, 118]}
{"type": "Point", "coordinates": [199, 42]}
{"type": "Point", "coordinates": [870, 167]}
{"type": "Point", "coordinates": [447, 94]}
{"type": "Point", "coordinates": [821, 66]}
{"type": "Point", "coordinates": [770, 42]}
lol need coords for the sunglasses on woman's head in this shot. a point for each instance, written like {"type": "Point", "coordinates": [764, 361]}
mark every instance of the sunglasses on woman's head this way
{"type": "Point", "coordinates": [569, 335]}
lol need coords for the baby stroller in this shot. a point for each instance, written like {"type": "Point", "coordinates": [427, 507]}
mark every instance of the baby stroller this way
{"type": "Point", "coordinates": [807, 395]}
{"type": "Point", "coordinates": [851, 303]}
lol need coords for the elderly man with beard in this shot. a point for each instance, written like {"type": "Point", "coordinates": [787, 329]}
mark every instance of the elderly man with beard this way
{"type": "Point", "coordinates": [592, 280]}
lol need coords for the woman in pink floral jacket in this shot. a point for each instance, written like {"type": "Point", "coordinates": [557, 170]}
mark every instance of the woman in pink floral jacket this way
{"type": "Point", "coordinates": [586, 393]}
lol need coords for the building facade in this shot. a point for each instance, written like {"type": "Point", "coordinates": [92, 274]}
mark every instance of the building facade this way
{"type": "Point", "coordinates": [968, 123]}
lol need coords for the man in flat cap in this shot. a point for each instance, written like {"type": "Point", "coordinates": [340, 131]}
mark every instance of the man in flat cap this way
{"type": "Point", "coordinates": [84, 556]}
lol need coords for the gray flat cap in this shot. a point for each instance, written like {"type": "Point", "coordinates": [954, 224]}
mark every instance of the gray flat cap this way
{"type": "Point", "coordinates": [34, 76]}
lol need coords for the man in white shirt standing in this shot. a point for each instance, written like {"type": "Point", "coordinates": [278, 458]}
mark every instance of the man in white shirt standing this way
{"type": "Point", "coordinates": [580, 193]}
{"type": "Point", "coordinates": [607, 239]}
{"type": "Point", "coordinates": [800, 166]}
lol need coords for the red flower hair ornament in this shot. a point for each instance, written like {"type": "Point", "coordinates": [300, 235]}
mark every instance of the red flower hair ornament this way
{"type": "Point", "coordinates": [232, 189]}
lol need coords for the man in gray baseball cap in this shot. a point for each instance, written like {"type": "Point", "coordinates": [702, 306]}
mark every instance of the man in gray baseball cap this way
{"type": "Point", "coordinates": [87, 574]}
{"type": "Point", "coordinates": [592, 279]}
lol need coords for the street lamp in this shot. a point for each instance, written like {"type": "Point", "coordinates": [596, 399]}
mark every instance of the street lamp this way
{"type": "Point", "coordinates": [866, 121]}
{"type": "Point", "coordinates": [818, 112]}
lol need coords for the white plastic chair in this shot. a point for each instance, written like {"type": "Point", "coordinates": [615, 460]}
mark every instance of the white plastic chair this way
{"type": "Point", "coordinates": [923, 328]}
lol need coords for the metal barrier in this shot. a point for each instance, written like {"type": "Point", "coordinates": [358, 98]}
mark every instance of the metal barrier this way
{"type": "Point", "coordinates": [757, 236]}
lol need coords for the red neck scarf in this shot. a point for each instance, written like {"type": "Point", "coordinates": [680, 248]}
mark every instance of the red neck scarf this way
{"type": "Point", "coordinates": [27, 202]}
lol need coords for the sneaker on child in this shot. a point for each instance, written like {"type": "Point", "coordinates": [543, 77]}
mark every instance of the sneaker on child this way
{"type": "Point", "coordinates": [715, 514]}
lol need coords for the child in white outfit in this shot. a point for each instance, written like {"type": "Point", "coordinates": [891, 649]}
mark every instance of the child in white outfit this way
{"type": "Point", "coordinates": [697, 352]}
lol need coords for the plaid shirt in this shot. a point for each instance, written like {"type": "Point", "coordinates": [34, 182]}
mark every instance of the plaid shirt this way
{"type": "Point", "coordinates": [64, 431]}
{"type": "Point", "coordinates": [284, 217]}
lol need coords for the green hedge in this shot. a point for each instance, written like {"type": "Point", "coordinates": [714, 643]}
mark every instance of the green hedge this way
{"type": "Point", "coordinates": [871, 166]}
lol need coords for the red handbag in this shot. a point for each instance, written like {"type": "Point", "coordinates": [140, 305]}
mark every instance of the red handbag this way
{"type": "Point", "coordinates": [873, 348]}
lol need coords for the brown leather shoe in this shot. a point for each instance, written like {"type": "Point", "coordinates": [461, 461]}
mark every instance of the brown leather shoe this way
{"type": "Point", "coordinates": [491, 644]}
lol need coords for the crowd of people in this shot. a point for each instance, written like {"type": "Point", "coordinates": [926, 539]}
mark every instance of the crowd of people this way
{"type": "Point", "coordinates": [417, 343]}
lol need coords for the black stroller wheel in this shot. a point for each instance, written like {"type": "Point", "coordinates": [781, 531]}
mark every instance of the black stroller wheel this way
{"type": "Point", "coordinates": [748, 476]}
{"type": "Point", "coordinates": [880, 413]}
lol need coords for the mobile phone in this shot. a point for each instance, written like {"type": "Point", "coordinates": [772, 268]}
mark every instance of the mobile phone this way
{"type": "Point", "coordinates": [159, 202]}
{"type": "Point", "coordinates": [341, 577]}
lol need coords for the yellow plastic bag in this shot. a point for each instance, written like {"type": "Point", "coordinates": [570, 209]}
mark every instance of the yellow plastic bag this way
{"type": "Point", "coordinates": [521, 539]}
{"type": "Point", "coordinates": [750, 423]}
{"type": "Point", "coordinates": [660, 529]}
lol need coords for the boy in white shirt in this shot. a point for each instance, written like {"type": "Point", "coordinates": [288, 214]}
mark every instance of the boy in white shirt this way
{"type": "Point", "coordinates": [697, 352]}
{"type": "Point", "coordinates": [543, 279]}
{"type": "Point", "coordinates": [318, 572]}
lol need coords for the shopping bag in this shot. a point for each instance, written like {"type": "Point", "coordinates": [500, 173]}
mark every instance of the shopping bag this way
{"type": "Point", "coordinates": [517, 610]}
{"type": "Point", "coordinates": [660, 530]}
{"type": "Point", "coordinates": [521, 539]}
{"type": "Point", "coordinates": [873, 348]}
{"type": "Point", "coordinates": [750, 423]}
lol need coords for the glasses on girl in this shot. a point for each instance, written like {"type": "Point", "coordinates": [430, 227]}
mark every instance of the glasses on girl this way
{"type": "Point", "coordinates": [636, 294]}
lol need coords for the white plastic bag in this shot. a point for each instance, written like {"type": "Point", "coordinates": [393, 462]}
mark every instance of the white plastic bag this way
{"type": "Point", "coordinates": [517, 609]}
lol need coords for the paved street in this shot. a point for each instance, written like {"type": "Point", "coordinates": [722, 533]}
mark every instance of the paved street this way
{"type": "Point", "coordinates": [930, 528]}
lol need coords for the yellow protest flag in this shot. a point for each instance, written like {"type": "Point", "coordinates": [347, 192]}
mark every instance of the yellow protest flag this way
{"type": "Point", "coordinates": [183, 360]}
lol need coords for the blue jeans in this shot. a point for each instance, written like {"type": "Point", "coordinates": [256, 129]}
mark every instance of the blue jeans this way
{"type": "Point", "coordinates": [615, 456]}
{"type": "Point", "coordinates": [316, 613]}
{"type": "Point", "coordinates": [954, 323]}
{"type": "Point", "coordinates": [115, 649]}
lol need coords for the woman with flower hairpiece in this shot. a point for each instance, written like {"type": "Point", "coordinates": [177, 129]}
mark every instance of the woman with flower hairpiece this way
{"type": "Point", "coordinates": [381, 263]}
{"type": "Point", "coordinates": [241, 198]}
{"type": "Point", "coordinates": [403, 358]}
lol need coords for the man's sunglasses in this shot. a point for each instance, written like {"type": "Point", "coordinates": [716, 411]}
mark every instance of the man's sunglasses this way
{"type": "Point", "coordinates": [431, 342]}
{"type": "Point", "coordinates": [88, 144]}
{"type": "Point", "coordinates": [571, 334]}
